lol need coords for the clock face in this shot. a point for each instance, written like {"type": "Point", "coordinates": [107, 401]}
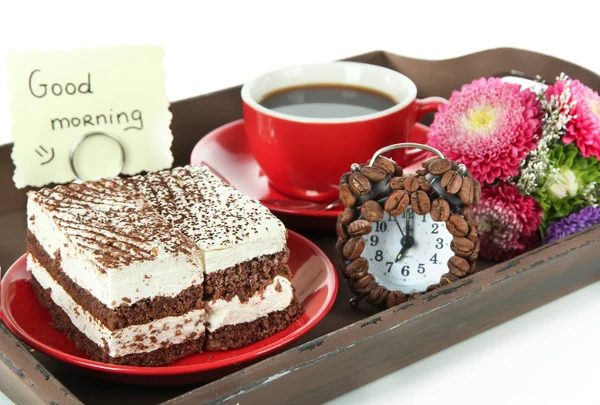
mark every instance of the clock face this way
{"type": "Point", "coordinates": [408, 252]}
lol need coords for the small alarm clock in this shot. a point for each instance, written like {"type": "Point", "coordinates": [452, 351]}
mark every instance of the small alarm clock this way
{"type": "Point", "coordinates": [402, 235]}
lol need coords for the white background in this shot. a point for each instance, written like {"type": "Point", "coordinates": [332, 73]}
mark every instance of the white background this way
{"type": "Point", "coordinates": [548, 356]}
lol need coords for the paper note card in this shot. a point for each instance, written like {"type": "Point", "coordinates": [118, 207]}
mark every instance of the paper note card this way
{"type": "Point", "coordinates": [60, 97]}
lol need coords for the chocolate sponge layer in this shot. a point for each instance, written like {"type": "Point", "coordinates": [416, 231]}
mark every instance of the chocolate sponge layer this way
{"type": "Point", "coordinates": [247, 278]}
{"type": "Point", "coordinates": [139, 313]}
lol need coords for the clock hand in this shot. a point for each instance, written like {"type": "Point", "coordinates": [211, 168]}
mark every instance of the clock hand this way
{"type": "Point", "coordinates": [407, 240]}
{"type": "Point", "coordinates": [408, 216]}
{"type": "Point", "coordinates": [399, 227]}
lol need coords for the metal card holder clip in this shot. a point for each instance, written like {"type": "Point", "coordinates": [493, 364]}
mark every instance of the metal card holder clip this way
{"type": "Point", "coordinates": [81, 140]}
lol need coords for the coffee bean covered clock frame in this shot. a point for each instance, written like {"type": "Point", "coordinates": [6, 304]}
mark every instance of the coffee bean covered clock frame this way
{"type": "Point", "coordinates": [442, 192]}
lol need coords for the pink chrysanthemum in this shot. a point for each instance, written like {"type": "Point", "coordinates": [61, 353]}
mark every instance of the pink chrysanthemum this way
{"type": "Point", "coordinates": [507, 222]}
{"type": "Point", "coordinates": [489, 126]}
{"type": "Point", "coordinates": [584, 127]}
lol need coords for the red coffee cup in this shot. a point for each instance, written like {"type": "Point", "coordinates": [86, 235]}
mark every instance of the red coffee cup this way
{"type": "Point", "coordinates": [304, 157]}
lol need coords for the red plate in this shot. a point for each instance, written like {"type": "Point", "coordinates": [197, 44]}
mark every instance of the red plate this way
{"type": "Point", "coordinates": [314, 278]}
{"type": "Point", "coordinates": [227, 152]}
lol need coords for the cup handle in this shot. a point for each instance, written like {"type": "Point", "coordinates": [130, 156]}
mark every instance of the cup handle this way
{"type": "Point", "coordinates": [424, 106]}
{"type": "Point", "coordinates": [427, 105]}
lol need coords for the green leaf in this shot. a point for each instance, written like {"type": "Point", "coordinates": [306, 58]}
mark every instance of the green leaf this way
{"type": "Point", "coordinates": [585, 170]}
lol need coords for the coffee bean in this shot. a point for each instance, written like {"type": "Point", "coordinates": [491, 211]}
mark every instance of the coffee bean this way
{"type": "Point", "coordinates": [432, 287]}
{"type": "Point", "coordinates": [339, 246]}
{"type": "Point", "coordinates": [458, 266]}
{"type": "Point", "coordinates": [473, 269]}
{"type": "Point", "coordinates": [425, 186]}
{"type": "Point", "coordinates": [395, 298]}
{"type": "Point", "coordinates": [342, 233]}
{"type": "Point", "coordinates": [357, 269]}
{"type": "Point", "coordinates": [426, 163]}
{"type": "Point", "coordinates": [381, 299]}
{"type": "Point", "coordinates": [467, 212]}
{"type": "Point", "coordinates": [461, 246]}
{"type": "Point", "coordinates": [371, 211]}
{"type": "Point", "coordinates": [440, 167]}
{"type": "Point", "coordinates": [475, 253]}
{"type": "Point", "coordinates": [365, 284]}
{"type": "Point", "coordinates": [457, 225]}
{"type": "Point", "coordinates": [466, 191]}
{"type": "Point", "coordinates": [477, 246]}
{"type": "Point", "coordinates": [347, 197]}
{"type": "Point", "coordinates": [397, 183]}
{"type": "Point", "coordinates": [472, 235]}
{"type": "Point", "coordinates": [476, 192]}
{"type": "Point", "coordinates": [440, 210]}
{"type": "Point", "coordinates": [451, 181]}
{"type": "Point", "coordinates": [354, 247]}
{"type": "Point", "coordinates": [415, 295]}
{"type": "Point", "coordinates": [344, 178]}
{"type": "Point", "coordinates": [446, 178]}
{"type": "Point", "coordinates": [359, 184]}
{"type": "Point", "coordinates": [422, 172]}
{"type": "Point", "coordinates": [373, 173]}
{"type": "Point", "coordinates": [398, 171]}
{"type": "Point", "coordinates": [447, 279]}
{"type": "Point", "coordinates": [375, 293]}
{"type": "Point", "coordinates": [397, 203]}
{"type": "Point", "coordinates": [384, 163]}
{"type": "Point", "coordinates": [360, 227]}
{"type": "Point", "coordinates": [411, 184]}
{"type": "Point", "coordinates": [348, 215]}
{"type": "Point", "coordinates": [420, 202]}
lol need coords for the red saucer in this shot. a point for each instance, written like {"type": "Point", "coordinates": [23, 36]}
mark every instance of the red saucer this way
{"type": "Point", "coordinates": [314, 278]}
{"type": "Point", "coordinates": [227, 152]}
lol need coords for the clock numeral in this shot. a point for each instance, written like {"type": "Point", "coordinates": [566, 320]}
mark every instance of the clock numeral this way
{"type": "Point", "coordinates": [374, 240]}
{"type": "Point", "coordinates": [380, 226]}
{"type": "Point", "coordinates": [389, 264]}
{"type": "Point", "coordinates": [439, 243]}
{"type": "Point", "coordinates": [405, 270]}
{"type": "Point", "coordinates": [434, 227]}
{"type": "Point", "coordinates": [421, 268]}
{"type": "Point", "coordinates": [379, 255]}
{"type": "Point", "coordinates": [434, 259]}
{"type": "Point", "coordinates": [390, 218]}
{"type": "Point", "coordinates": [424, 218]}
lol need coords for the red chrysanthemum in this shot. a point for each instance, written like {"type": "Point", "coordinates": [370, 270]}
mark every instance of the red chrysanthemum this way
{"type": "Point", "coordinates": [584, 127]}
{"type": "Point", "coordinates": [507, 222]}
{"type": "Point", "coordinates": [489, 126]}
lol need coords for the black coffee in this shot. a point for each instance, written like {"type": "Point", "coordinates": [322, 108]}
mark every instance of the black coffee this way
{"type": "Point", "coordinates": [327, 101]}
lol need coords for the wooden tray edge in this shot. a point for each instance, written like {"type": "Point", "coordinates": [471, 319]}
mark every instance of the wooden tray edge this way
{"type": "Point", "coordinates": [24, 380]}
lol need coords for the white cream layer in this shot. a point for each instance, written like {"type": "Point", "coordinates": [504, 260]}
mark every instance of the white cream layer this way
{"type": "Point", "coordinates": [132, 339]}
{"type": "Point", "coordinates": [222, 313]}
{"type": "Point", "coordinates": [221, 259]}
{"type": "Point", "coordinates": [230, 227]}
{"type": "Point", "coordinates": [166, 276]}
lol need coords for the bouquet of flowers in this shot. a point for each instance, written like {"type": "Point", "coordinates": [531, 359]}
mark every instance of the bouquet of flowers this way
{"type": "Point", "coordinates": [535, 152]}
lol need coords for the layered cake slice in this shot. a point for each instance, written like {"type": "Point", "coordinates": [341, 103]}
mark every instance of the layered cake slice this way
{"type": "Point", "coordinates": [248, 292]}
{"type": "Point", "coordinates": [123, 283]}
{"type": "Point", "coordinates": [149, 269]}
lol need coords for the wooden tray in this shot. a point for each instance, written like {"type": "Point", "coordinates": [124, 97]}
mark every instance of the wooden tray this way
{"type": "Point", "coordinates": [348, 348]}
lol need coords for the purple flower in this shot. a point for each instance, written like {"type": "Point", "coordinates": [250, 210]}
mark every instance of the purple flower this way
{"type": "Point", "coordinates": [587, 217]}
